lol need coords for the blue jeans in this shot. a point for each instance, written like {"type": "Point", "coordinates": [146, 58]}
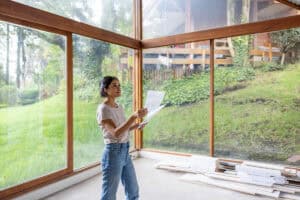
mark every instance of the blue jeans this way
{"type": "Point", "coordinates": [117, 165]}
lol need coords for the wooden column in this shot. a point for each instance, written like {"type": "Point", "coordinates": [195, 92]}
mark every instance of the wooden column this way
{"type": "Point", "coordinates": [138, 71]}
{"type": "Point", "coordinates": [69, 77]}
{"type": "Point", "coordinates": [211, 109]}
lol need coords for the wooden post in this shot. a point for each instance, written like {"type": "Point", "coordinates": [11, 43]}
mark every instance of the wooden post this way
{"type": "Point", "coordinates": [138, 71]}
{"type": "Point", "coordinates": [69, 102]}
{"type": "Point", "coordinates": [211, 119]}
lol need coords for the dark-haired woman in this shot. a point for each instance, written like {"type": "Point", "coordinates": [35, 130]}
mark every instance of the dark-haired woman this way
{"type": "Point", "coordinates": [116, 162]}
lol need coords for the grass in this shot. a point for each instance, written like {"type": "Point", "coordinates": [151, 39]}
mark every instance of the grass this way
{"type": "Point", "coordinates": [258, 122]}
{"type": "Point", "coordinates": [33, 139]}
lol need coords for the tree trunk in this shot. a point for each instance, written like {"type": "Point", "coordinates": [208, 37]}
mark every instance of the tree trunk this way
{"type": "Point", "coordinates": [18, 70]}
{"type": "Point", "coordinates": [230, 17]}
{"type": "Point", "coordinates": [246, 11]}
{"type": "Point", "coordinates": [7, 54]}
{"type": "Point", "coordinates": [282, 58]}
{"type": "Point", "coordinates": [23, 60]}
{"type": "Point", "coordinates": [246, 19]}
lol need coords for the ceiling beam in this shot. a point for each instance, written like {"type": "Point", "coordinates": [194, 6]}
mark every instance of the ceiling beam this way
{"type": "Point", "coordinates": [290, 4]}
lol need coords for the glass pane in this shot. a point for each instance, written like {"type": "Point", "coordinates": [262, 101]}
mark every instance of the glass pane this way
{"type": "Point", "coordinates": [111, 15]}
{"type": "Point", "coordinates": [257, 97]}
{"type": "Point", "coordinates": [32, 104]}
{"type": "Point", "coordinates": [164, 18]}
{"type": "Point", "coordinates": [182, 72]}
{"type": "Point", "coordinates": [94, 59]}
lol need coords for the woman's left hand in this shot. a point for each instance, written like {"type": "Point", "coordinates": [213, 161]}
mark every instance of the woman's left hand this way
{"type": "Point", "coordinates": [142, 125]}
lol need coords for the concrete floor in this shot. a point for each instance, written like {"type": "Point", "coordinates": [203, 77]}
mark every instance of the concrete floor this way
{"type": "Point", "coordinates": [154, 184]}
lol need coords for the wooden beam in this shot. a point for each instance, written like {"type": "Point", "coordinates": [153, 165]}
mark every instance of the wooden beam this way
{"type": "Point", "coordinates": [69, 103]}
{"type": "Point", "coordinates": [36, 17]}
{"type": "Point", "coordinates": [229, 31]}
{"type": "Point", "coordinates": [33, 184]}
{"type": "Point", "coordinates": [138, 71]}
{"type": "Point", "coordinates": [28, 24]}
{"type": "Point", "coordinates": [290, 4]}
{"type": "Point", "coordinates": [40, 182]}
{"type": "Point", "coordinates": [211, 98]}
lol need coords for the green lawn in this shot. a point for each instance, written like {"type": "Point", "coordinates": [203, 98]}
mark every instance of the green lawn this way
{"type": "Point", "coordinates": [258, 122]}
{"type": "Point", "coordinates": [33, 139]}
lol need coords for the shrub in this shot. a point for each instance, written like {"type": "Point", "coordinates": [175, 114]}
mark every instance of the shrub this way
{"type": "Point", "coordinates": [270, 66]}
{"type": "Point", "coordinates": [196, 88]}
{"type": "Point", "coordinates": [28, 96]}
{"type": "Point", "coordinates": [186, 90]}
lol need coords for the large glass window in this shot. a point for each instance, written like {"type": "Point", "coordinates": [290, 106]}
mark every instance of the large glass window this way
{"type": "Point", "coordinates": [94, 59]}
{"type": "Point", "coordinates": [164, 17]}
{"type": "Point", "coordinates": [116, 16]}
{"type": "Point", "coordinates": [182, 72]}
{"type": "Point", "coordinates": [32, 104]}
{"type": "Point", "coordinates": [257, 97]}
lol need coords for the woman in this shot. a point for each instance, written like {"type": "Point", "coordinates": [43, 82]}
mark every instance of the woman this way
{"type": "Point", "coordinates": [116, 162]}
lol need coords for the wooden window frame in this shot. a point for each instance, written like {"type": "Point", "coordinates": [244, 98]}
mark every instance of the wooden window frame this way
{"type": "Point", "coordinates": [28, 16]}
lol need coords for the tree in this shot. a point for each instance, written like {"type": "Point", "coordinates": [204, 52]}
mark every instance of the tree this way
{"type": "Point", "coordinates": [7, 54]}
{"type": "Point", "coordinates": [285, 40]}
{"type": "Point", "coordinates": [20, 42]}
{"type": "Point", "coordinates": [239, 46]}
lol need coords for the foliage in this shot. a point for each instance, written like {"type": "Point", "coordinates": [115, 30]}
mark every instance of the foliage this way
{"type": "Point", "coordinates": [88, 56]}
{"type": "Point", "coordinates": [28, 96]}
{"type": "Point", "coordinates": [270, 66]}
{"type": "Point", "coordinates": [8, 95]}
{"type": "Point", "coordinates": [196, 88]}
{"type": "Point", "coordinates": [241, 50]}
{"type": "Point", "coordinates": [110, 64]}
{"type": "Point", "coordinates": [286, 39]}
{"type": "Point", "coordinates": [53, 73]}
{"type": "Point", "coordinates": [87, 90]}
{"type": "Point", "coordinates": [2, 76]}
{"type": "Point", "coordinates": [127, 96]}
{"type": "Point", "coordinates": [117, 16]}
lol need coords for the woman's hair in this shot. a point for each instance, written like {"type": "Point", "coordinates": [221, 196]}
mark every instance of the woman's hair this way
{"type": "Point", "coordinates": [104, 83]}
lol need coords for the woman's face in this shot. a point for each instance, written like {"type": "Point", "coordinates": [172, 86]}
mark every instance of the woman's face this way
{"type": "Point", "coordinates": [114, 89]}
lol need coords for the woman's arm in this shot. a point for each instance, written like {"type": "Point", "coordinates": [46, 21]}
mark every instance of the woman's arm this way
{"type": "Point", "coordinates": [109, 125]}
{"type": "Point", "coordinates": [134, 126]}
{"type": "Point", "coordinates": [138, 125]}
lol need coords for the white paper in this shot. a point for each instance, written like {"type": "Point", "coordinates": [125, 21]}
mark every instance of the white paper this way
{"type": "Point", "coordinates": [153, 101]}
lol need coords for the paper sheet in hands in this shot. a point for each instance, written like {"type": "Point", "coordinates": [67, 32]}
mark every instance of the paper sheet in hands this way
{"type": "Point", "coordinates": [153, 101]}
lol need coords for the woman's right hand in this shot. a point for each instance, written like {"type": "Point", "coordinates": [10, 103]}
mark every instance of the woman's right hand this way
{"type": "Point", "coordinates": [141, 113]}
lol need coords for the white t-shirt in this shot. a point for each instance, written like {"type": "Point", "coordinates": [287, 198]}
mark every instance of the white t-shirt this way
{"type": "Point", "coordinates": [117, 115]}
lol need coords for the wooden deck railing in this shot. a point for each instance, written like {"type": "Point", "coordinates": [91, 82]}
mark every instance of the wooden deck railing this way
{"type": "Point", "coordinates": [185, 57]}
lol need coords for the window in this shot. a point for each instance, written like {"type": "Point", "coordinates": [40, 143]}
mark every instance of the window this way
{"type": "Point", "coordinates": [257, 97]}
{"type": "Point", "coordinates": [94, 59]}
{"type": "Point", "coordinates": [182, 72]}
{"type": "Point", "coordinates": [32, 104]}
{"type": "Point", "coordinates": [164, 18]}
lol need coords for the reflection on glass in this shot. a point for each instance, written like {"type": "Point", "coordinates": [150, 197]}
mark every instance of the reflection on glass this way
{"type": "Point", "coordinates": [32, 104]}
{"type": "Point", "coordinates": [111, 15]}
{"type": "Point", "coordinates": [164, 18]}
{"type": "Point", "coordinates": [257, 97]}
{"type": "Point", "coordinates": [182, 72]}
{"type": "Point", "coordinates": [94, 59]}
